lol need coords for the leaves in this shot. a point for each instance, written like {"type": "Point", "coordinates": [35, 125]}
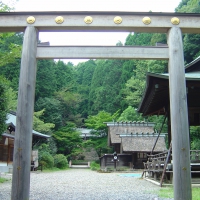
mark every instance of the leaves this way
{"type": "Point", "coordinates": [39, 125]}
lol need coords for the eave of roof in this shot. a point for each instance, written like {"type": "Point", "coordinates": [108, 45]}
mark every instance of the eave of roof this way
{"type": "Point", "coordinates": [151, 93]}
{"type": "Point", "coordinates": [11, 120]}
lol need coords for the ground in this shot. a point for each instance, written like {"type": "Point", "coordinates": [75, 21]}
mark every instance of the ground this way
{"type": "Point", "coordinates": [84, 184]}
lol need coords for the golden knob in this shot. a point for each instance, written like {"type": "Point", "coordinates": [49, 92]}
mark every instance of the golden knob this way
{"type": "Point", "coordinates": [59, 20]}
{"type": "Point", "coordinates": [88, 20]}
{"type": "Point", "coordinates": [146, 20]}
{"type": "Point", "coordinates": [118, 20]}
{"type": "Point", "coordinates": [30, 20]}
{"type": "Point", "coordinates": [175, 20]}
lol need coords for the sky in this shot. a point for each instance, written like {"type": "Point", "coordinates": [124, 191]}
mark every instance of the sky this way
{"type": "Point", "coordinates": [91, 5]}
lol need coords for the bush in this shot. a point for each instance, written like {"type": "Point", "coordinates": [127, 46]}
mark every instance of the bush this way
{"type": "Point", "coordinates": [46, 160]}
{"type": "Point", "coordinates": [60, 161]}
{"type": "Point", "coordinates": [2, 180]}
{"type": "Point", "coordinates": [94, 165]}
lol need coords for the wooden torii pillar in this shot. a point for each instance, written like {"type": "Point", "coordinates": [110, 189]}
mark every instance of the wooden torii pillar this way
{"type": "Point", "coordinates": [179, 117]}
{"type": "Point", "coordinates": [24, 122]}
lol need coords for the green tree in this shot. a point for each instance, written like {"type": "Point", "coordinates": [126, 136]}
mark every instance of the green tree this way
{"type": "Point", "coordinates": [190, 41]}
{"type": "Point", "coordinates": [96, 122]}
{"type": "Point", "coordinates": [136, 84]}
{"type": "Point", "coordinates": [52, 111]}
{"type": "Point", "coordinates": [130, 114]}
{"type": "Point", "coordinates": [3, 104]}
{"type": "Point", "coordinates": [84, 74]}
{"type": "Point", "coordinates": [69, 100]}
{"type": "Point", "coordinates": [67, 139]}
{"type": "Point", "coordinates": [108, 80]}
{"type": "Point", "coordinates": [46, 79]}
{"type": "Point", "coordinates": [195, 137]}
{"type": "Point", "coordinates": [141, 39]}
{"type": "Point", "coordinates": [39, 125]}
{"type": "Point", "coordinates": [64, 75]}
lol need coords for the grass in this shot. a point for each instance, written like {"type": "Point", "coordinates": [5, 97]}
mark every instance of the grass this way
{"type": "Point", "coordinates": [167, 192]}
{"type": "Point", "coordinates": [54, 169]}
{"type": "Point", "coordinates": [2, 180]}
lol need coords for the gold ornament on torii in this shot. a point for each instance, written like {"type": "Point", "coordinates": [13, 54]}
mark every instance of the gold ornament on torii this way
{"type": "Point", "coordinates": [118, 20]}
{"type": "Point", "coordinates": [175, 20]}
{"type": "Point", "coordinates": [59, 20]}
{"type": "Point", "coordinates": [146, 20]}
{"type": "Point", "coordinates": [30, 20]}
{"type": "Point", "coordinates": [88, 20]}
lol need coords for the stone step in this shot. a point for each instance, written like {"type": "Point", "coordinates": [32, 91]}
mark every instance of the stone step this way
{"type": "Point", "coordinates": [80, 166]}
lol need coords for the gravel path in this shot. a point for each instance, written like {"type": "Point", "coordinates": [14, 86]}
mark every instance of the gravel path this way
{"type": "Point", "coordinates": [80, 184]}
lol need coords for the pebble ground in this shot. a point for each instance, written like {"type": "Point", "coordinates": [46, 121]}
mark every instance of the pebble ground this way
{"type": "Point", "coordinates": [84, 184]}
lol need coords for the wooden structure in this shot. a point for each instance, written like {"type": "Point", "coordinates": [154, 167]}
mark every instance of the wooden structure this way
{"type": "Point", "coordinates": [174, 24]}
{"type": "Point", "coordinates": [7, 142]}
{"type": "Point", "coordinates": [124, 160]}
{"type": "Point", "coordinates": [156, 102]}
{"type": "Point", "coordinates": [135, 139]}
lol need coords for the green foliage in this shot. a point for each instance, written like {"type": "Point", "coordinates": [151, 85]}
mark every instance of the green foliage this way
{"type": "Point", "coordinates": [46, 160]}
{"type": "Point", "coordinates": [4, 85]}
{"type": "Point", "coordinates": [130, 114]}
{"type": "Point", "coordinates": [188, 6]}
{"type": "Point", "coordinates": [39, 125]}
{"type": "Point", "coordinates": [46, 79]}
{"type": "Point", "coordinates": [64, 74]}
{"type": "Point", "coordinates": [52, 111]}
{"type": "Point", "coordinates": [84, 73]}
{"type": "Point", "coordinates": [94, 165]}
{"type": "Point", "coordinates": [108, 79]}
{"type": "Point", "coordinates": [2, 180]}
{"type": "Point", "coordinates": [99, 144]}
{"type": "Point", "coordinates": [45, 157]}
{"type": "Point", "coordinates": [60, 161]}
{"type": "Point", "coordinates": [195, 137]}
{"type": "Point", "coordinates": [141, 39]}
{"type": "Point", "coordinates": [69, 100]}
{"type": "Point", "coordinates": [191, 41]}
{"type": "Point", "coordinates": [136, 84]}
{"type": "Point", "coordinates": [67, 139]}
{"type": "Point", "coordinates": [145, 39]}
{"type": "Point", "coordinates": [96, 122]}
{"type": "Point", "coordinates": [76, 153]}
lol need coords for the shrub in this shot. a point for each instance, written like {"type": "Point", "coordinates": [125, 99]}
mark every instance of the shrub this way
{"type": "Point", "coordinates": [94, 165]}
{"type": "Point", "coordinates": [46, 159]}
{"type": "Point", "coordinates": [60, 161]}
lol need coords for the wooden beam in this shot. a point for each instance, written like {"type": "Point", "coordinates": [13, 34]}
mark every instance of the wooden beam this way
{"type": "Point", "coordinates": [24, 122]}
{"type": "Point", "coordinates": [102, 21]}
{"type": "Point", "coordinates": [179, 117]}
{"type": "Point", "coordinates": [102, 52]}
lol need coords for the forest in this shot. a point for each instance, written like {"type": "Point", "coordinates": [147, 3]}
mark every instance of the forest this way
{"type": "Point", "coordinates": [85, 95]}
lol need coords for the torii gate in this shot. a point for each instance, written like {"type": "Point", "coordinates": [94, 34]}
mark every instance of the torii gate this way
{"type": "Point", "coordinates": [33, 22]}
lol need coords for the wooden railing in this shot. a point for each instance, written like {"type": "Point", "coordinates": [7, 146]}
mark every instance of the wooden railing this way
{"type": "Point", "coordinates": [161, 164]}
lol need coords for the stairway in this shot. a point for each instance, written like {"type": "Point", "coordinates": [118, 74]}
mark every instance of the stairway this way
{"type": "Point", "coordinates": [81, 165]}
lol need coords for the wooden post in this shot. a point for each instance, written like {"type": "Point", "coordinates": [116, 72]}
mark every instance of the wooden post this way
{"type": "Point", "coordinates": [179, 117]}
{"type": "Point", "coordinates": [24, 122]}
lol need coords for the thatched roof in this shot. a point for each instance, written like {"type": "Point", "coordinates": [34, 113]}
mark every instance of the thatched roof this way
{"type": "Point", "coordinates": [122, 128]}
{"type": "Point", "coordinates": [143, 144]}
